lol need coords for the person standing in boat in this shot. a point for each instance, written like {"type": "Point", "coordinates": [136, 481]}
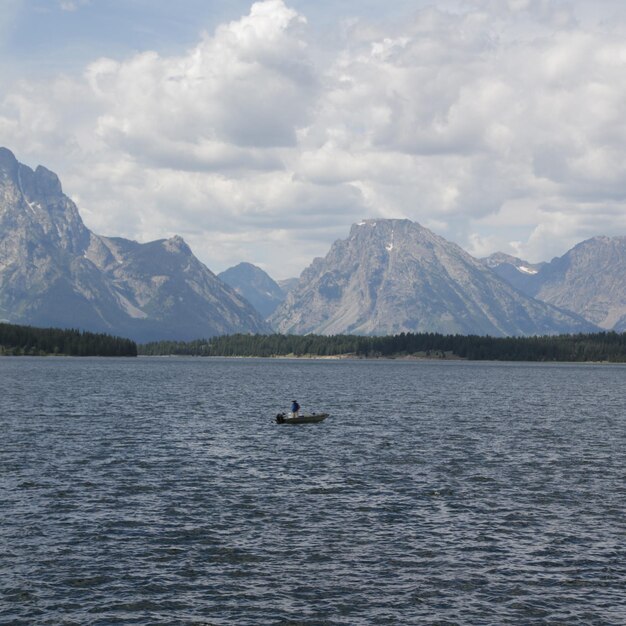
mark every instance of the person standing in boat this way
{"type": "Point", "coordinates": [295, 407]}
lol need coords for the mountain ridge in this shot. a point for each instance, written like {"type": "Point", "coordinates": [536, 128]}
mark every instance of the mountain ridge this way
{"type": "Point", "coordinates": [589, 279]}
{"type": "Point", "coordinates": [255, 285]}
{"type": "Point", "coordinates": [55, 272]}
{"type": "Point", "coordinates": [393, 276]}
{"type": "Point", "coordinates": [388, 276]}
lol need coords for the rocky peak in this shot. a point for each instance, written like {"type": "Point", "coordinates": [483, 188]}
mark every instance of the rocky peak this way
{"type": "Point", "coordinates": [8, 162]}
{"type": "Point", "coordinates": [177, 245]}
{"type": "Point", "coordinates": [385, 231]}
{"type": "Point", "coordinates": [38, 186]}
{"type": "Point", "coordinates": [600, 249]}
{"type": "Point", "coordinates": [498, 258]}
{"type": "Point", "coordinates": [255, 285]}
{"type": "Point", "coordinates": [517, 272]}
{"type": "Point", "coordinates": [55, 272]}
{"type": "Point", "coordinates": [47, 183]}
{"type": "Point", "coordinates": [589, 279]}
{"type": "Point", "coordinates": [34, 184]}
{"type": "Point", "coordinates": [34, 201]}
{"type": "Point", "coordinates": [392, 276]}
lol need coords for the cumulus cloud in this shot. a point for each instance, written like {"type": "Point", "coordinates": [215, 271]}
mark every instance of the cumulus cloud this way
{"type": "Point", "coordinates": [500, 125]}
{"type": "Point", "coordinates": [248, 86]}
{"type": "Point", "coordinates": [476, 113]}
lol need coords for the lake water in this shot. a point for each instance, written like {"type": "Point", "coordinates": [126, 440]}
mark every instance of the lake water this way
{"type": "Point", "coordinates": [160, 491]}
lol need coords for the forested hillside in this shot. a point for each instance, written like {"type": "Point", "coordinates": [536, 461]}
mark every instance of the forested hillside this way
{"type": "Point", "coordinates": [29, 341]}
{"type": "Point", "coordinates": [605, 346]}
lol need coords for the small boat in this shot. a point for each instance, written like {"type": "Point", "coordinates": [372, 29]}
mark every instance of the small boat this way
{"type": "Point", "coordinates": [305, 418]}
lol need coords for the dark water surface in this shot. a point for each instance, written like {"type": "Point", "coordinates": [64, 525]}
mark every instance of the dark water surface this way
{"type": "Point", "coordinates": [159, 491]}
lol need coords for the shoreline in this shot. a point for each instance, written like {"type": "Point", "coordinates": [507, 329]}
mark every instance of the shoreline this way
{"type": "Point", "coordinates": [352, 357]}
{"type": "Point", "coordinates": [313, 357]}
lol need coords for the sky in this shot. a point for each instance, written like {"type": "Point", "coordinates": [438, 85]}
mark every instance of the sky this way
{"type": "Point", "coordinates": [260, 131]}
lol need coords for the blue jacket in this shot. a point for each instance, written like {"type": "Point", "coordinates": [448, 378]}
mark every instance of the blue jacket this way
{"type": "Point", "coordinates": [295, 407]}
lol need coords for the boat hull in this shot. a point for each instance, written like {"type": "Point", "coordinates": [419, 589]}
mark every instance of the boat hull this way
{"type": "Point", "coordinates": [312, 418]}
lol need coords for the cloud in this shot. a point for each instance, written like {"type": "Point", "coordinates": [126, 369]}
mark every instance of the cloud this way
{"type": "Point", "coordinates": [500, 124]}
{"type": "Point", "coordinates": [248, 86]}
{"type": "Point", "coordinates": [472, 116]}
{"type": "Point", "coordinates": [73, 5]}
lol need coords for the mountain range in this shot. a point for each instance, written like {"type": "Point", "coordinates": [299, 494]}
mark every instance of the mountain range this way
{"type": "Point", "coordinates": [55, 272]}
{"type": "Point", "coordinates": [388, 276]}
{"type": "Point", "coordinates": [391, 276]}
{"type": "Point", "coordinates": [589, 279]}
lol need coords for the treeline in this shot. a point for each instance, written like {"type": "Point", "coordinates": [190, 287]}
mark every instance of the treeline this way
{"type": "Point", "coordinates": [30, 341]}
{"type": "Point", "coordinates": [605, 346]}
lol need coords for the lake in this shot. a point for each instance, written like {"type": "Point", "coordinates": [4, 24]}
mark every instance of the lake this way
{"type": "Point", "coordinates": [160, 491]}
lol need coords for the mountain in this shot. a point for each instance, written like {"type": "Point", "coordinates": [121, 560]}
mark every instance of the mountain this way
{"type": "Point", "coordinates": [392, 276]}
{"type": "Point", "coordinates": [589, 279]}
{"type": "Point", "coordinates": [255, 286]}
{"type": "Point", "coordinates": [517, 272]}
{"type": "Point", "coordinates": [287, 284]}
{"type": "Point", "coordinates": [55, 272]}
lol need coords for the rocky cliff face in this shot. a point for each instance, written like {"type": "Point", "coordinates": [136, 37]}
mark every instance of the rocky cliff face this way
{"type": "Point", "coordinates": [55, 272]}
{"type": "Point", "coordinates": [393, 276]}
{"type": "Point", "coordinates": [517, 272]}
{"type": "Point", "coordinates": [255, 285]}
{"type": "Point", "coordinates": [590, 280]}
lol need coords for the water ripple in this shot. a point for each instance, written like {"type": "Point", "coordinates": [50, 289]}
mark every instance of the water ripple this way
{"type": "Point", "coordinates": [159, 491]}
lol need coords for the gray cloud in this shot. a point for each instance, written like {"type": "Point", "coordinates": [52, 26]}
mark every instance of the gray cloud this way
{"type": "Point", "coordinates": [498, 124]}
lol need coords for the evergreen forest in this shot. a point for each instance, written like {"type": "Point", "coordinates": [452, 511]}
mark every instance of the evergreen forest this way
{"type": "Point", "coordinates": [601, 347]}
{"type": "Point", "coordinates": [30, 341]}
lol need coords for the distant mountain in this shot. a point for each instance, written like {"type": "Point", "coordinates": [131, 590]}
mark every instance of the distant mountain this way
{"type": "Point", "coordinates": [255, 286]}
{"type": "Point", "coordinates": [519, 273]}
{"type": "Point", "coordinates": [287, 284]}
{"type": "Point", "coordinates": [590, 279]}
{"type": "Point", "coordinates": [391, 276]}
{"type": "Point", "coordinates": [55, 272]}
